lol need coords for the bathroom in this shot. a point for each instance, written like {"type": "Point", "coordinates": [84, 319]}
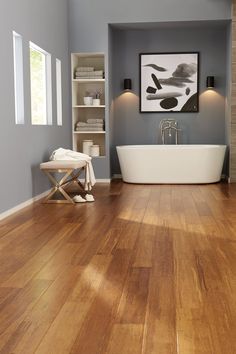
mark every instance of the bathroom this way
{"type": "Point", "coordinates": [140, 268]}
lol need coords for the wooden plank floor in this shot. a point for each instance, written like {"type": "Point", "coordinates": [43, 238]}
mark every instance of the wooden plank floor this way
{"type": "Point", "coordinates": [143, 270]}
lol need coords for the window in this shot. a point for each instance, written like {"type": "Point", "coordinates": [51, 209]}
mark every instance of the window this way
{"type": "Point", "coordinates": [59, 93]}
{"type": "Point", "coordinates": [18, 78]}
{"type": "Point", "coordinates": [41, 86]}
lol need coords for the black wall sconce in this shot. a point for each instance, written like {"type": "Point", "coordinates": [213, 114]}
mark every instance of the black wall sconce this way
{"type": "Point", "coordinates": [210, 82]}
{"type": "Point", "coordinates": [127, 84]}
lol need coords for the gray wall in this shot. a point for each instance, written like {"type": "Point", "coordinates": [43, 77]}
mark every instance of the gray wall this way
{"type": "Point", "coordinates": [89, 32]}
{"type": "Point", "coordinates": [24, 147]}
{"type": "Point", "coordinates": [207, 126]}
{"type": "Point", "coordinates": [88, 19]}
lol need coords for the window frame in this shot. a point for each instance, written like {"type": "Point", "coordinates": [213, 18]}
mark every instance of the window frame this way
{"type": "Point", "coordinates": [59, 91]}
{"type": "Point", "coordinates": [48, 83]}
{"type": "Point", "coordinates": [18, 78]}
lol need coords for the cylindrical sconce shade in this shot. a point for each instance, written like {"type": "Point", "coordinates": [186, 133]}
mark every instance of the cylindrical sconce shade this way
{"type": "Point", "coordinates": [210, 82]}
{"type": "Point", "coordinates": [127, 84]}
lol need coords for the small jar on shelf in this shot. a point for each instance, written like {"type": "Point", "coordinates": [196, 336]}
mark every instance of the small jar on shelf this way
{"type": "Point", "coordinates": [94, 150]}
{"type": "Point", "coordinates": [86, 146]}
{"type": "Point", "coordinates": [88, 101]}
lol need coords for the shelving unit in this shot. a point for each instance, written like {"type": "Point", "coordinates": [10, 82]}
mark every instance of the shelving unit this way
{"type": "Point", "coordinates": [82, 112]}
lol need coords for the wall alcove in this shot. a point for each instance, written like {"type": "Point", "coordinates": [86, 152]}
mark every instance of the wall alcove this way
{"type": "Point", "coordinates": [211, 39]}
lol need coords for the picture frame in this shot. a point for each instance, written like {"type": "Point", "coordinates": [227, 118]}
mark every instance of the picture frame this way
{"type": "Point", "coordinates": [169, 82]}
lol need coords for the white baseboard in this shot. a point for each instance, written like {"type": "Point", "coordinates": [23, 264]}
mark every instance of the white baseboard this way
{"type": "Point", "coordinates": [103, 180]}
{"type": "Point", "coordinates": [99, 180]}
{"type": "Point", "coordinates": [18, 207]}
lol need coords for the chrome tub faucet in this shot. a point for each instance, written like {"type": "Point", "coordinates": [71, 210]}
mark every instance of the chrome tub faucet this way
{"type": "Point", "coordinates": [166, 128]}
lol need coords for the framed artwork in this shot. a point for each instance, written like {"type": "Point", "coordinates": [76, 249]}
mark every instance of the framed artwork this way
{"type": "Point", "coordinates": [169, 82]}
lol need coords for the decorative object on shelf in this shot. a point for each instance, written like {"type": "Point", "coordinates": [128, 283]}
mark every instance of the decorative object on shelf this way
{"type": "Point", "coordinates": [94, 150]}
{"type": "Point", "coordinates": [169, 82]}
{"type": "Point", "coordinates": [210, 82]}
{"type": "Point", "coordinates": [93, 98]}
{"type": "Point", "coordinates": [97, 98]}
{"type": "Point", "coordinates": [127, 84]}
{"type": "Point", "coordinates": [86, 146]}
{"type": "Point", "coordinates": [96, 102]}
{"type": "Point", "coordinates": [88, 101]}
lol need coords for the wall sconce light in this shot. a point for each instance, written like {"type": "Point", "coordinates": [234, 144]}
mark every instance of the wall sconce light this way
{"type": "Point", "coordinates": [210, 82]}
{"type": "Point", "coordinates": [127, 84]}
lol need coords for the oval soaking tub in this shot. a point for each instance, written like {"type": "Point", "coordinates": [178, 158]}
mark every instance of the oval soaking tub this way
{"type": "Point", "coordinates": [171, 164]}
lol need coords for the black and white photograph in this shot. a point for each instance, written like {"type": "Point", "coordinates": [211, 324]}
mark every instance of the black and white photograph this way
{"type": "Point", "coordinates": [169, 82]}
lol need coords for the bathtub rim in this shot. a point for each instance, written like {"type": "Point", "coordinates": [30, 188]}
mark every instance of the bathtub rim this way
{"type": "Point", "coordinates": [172, 146]}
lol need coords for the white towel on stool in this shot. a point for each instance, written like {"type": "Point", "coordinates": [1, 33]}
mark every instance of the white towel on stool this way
{"type": "Point", "coordinates": [66, 154]}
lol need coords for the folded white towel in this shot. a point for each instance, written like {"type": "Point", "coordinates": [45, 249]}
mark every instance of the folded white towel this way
{"type": "Point", "coordinates": [80, 124]}
{"type": "Point", "coordinates": [89, 129]}
{"type": "Point", "coordinates": [89, 73]}
{"type": "Point", "coordinates": [84, 68]}
{"type": "Point", "coordinates": [87, 77]}
{"type": "Point", "coordinates": [83, 124]}
{"type": "Point", "coordinates": [95, 120]}
{"type": "Point", "coordinates": [100, 77]}
{"type": "Point", "coordinates": [66, 154]}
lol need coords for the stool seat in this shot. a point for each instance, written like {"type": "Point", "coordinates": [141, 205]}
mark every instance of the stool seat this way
{"type": "Point", "coordinates": [71, 170]}
{"type": "Point", "coordinates": [62, 164]}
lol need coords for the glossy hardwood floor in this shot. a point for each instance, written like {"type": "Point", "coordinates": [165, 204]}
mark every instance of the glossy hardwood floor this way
{"type": "Point", "coordinates": [145, 269]}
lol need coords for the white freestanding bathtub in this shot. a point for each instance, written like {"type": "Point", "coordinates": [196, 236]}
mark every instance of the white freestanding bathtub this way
{"type": "Point", "coordinates": [173, 164]}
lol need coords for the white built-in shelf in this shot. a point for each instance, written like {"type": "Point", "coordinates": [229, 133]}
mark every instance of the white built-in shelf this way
{"type": "Point", "coordinates": [88, 80]}
{"type": "Point", "coordinates": [87, 106]}
{"type": "Point", "coordinates": [81, 87]}
{"type": "Point", "coordinates": [89, 132]}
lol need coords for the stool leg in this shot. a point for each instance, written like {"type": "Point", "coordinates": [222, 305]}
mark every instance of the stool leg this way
{"type": "Point", "coordinates": [49, 196]}
{"type": "Point", "coordinates": [75, 177]}
{"type": "Point", "coordinates": [58, 186]}
{"type": "Point", "coordinates": [66, 195]}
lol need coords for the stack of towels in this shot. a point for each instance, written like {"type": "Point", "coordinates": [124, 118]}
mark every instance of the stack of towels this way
{"type": "Point", "coordinates": [88, 72]}
{"type": "Point", "coordinates": [91, 124]}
